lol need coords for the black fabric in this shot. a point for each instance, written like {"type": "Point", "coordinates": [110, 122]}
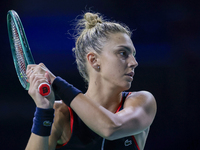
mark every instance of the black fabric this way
{"type": "Point", "coordinates": [83, 138]}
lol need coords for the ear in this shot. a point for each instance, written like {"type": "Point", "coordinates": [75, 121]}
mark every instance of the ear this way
{"type": "Point", "coordinates": [93, 60]}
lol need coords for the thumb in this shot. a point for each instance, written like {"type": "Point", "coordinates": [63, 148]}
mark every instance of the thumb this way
{"type": "Point", "coordinates": [48, 77]}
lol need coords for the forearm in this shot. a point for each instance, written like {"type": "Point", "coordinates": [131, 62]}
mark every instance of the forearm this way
{"type": "Point", "coordinates": [41, 129]}
{"type": "Point", "coordinates": [111, 126]}
{"type": "Point", "coordinates": [99, 119]}
{"type": "Point", "coordinates": [96, 117]}
{"type": "Point", "coordinates": [134, 118]}
{"type": "Point", "coordinates": [37, 142]}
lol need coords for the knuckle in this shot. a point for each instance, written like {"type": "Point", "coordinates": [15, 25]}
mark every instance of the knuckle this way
{"type": "Point", "coordinates": [41, 64]}
{"type": "Point", "coordinates": [31, 76]}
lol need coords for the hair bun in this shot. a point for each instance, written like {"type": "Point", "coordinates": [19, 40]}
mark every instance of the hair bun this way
{"type": "Point", "coordinates": [91, 20]}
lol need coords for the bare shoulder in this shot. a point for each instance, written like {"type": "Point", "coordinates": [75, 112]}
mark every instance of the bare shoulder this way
{"type": "Point", "coordinates": [143, 99]}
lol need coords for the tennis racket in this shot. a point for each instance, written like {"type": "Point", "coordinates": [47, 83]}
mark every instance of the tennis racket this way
{"type": "Point", "coordinates": [21, 52]}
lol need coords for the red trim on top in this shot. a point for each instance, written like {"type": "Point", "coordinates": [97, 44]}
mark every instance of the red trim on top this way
{"type": "Point", "coordinates": [135, 142]}
{"type": "Point", "coordinates": [120, 105]}
{"type": "Point", "coordinates": [133, 135]}
{"type": "Point", "coordinates": [118, 110]}
{"type": "Point", "coordinates": [71, 126]}
{"type": "Point", "coordinates": [71, 119]}
{"type": "Point", "coordinates": [128, 94]}
{"type": "Point", "coordinates": [72, 123]}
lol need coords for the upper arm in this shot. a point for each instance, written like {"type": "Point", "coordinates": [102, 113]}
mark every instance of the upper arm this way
{"type": "Point", "coordinates": [138, 114]}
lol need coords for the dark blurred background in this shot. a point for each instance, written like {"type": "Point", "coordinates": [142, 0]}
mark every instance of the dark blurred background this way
{"type": "Point", "coordinates": [166, 38]}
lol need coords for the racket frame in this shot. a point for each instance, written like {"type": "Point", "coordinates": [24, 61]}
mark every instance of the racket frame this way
{"type": "Point", "coordinates": [28, 58]}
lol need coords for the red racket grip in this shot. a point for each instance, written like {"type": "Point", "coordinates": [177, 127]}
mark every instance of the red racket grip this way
{"type": "Point", "coordinates": [44, 89]}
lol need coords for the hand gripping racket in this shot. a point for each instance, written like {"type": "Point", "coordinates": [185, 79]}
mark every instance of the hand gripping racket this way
{"type": "Point", "coordinates": [21, 51]}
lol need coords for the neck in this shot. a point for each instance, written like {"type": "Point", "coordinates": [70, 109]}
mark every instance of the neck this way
{"type": "Point", "coordinates": [104, 95]}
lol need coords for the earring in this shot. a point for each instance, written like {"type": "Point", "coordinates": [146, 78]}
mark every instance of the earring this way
{"type": "Point", "coordinates": [97, 67]}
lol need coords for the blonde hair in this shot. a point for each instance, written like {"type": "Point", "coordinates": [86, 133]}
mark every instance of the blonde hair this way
{"type": "Point", "coordinates": [92, 32]}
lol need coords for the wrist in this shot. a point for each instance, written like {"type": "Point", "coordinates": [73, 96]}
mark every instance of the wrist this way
{"type": "Point", "coordinates": [45, 104]}
{"type": "Point", "coordinates": [67, 92]}
{"type": "Point", "coordinates": [52, 78]}
{"type": "Point", "coordinates": [42, 121]}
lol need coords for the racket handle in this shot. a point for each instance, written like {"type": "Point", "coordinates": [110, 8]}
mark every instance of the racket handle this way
{"type": "Point", "coordinates": [44, 89]}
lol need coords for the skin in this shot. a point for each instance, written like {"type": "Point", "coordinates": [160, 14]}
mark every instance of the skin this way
{"type": "Point", "coordinates": [116, 62]}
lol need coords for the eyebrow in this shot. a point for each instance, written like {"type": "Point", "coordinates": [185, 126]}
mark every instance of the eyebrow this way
{"type": "Point", "coordinates": [128, 49]}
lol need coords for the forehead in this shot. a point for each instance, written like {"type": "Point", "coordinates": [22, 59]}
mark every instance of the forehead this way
{"type": "Point", "coordinates": [119, 39]}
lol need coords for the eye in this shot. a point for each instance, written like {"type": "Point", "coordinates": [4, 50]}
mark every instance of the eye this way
{"type": "Point", "coordinates": [123, 53]}
{"type": "Point", "coordinates": [134, 53]}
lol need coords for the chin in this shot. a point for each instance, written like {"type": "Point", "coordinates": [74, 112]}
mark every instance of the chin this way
{"type": "Point", "coordinates": [126, 86]}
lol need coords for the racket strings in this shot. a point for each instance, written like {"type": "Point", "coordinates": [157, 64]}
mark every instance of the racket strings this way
{"type": "Point", "coordinates": [19, 53]}
{"type": "Point", "coordinates": [21, 33]}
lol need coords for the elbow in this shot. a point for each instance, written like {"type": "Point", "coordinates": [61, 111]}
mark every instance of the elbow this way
{"type": "Point", "coordinates": [109, 132]}
{"type": "Point", "coordinates": [110, 138]}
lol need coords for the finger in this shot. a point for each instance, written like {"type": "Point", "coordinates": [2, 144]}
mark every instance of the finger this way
{"type": "Point", "coordinates": [34, 67]}
{"type": "Point", "coordinates": [38, 79]}
{"type": "Point", "coordinates": [28, 74]}
{"type": "Point", "coordinates": [42, 65]}
{"type": "Point", "coordinates": [35, 81]}
{"type": "Point", "coordinates": [33, 76]}
{"type": "Point", "coordinates": [48, 77]}
{"type": "Point", "coordinates": [41, 69]}
{"type": "Point", "coordinates": [29, 67]}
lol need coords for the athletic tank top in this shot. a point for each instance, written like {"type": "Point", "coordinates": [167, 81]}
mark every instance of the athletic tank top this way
{"type": "Point", "coordinates": [83, 138]}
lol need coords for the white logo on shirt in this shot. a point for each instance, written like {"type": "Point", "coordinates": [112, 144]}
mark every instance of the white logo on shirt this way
{"type": "Point", "coordinates": [127, 142]}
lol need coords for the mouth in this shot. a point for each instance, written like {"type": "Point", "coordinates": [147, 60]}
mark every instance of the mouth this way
{"type": "Point", "coordinates": [131, 74]}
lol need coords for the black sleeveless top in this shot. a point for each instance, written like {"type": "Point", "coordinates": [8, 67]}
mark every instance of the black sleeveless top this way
{"type": "Point", "coordinates": [83, 138]}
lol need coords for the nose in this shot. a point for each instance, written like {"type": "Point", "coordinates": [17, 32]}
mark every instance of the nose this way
{"type": "Point", "coordinates": [133, 63]}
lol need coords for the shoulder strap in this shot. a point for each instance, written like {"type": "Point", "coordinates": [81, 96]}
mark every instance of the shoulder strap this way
{"type": "Point", "coordinates": [124, 96]}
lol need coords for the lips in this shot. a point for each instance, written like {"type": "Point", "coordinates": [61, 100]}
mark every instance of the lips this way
{"type": "Point", "coordinates": [131, 74]}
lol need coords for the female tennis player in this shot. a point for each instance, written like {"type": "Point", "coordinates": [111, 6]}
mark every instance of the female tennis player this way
{"type": "Point", "coordinates": [105, 117]}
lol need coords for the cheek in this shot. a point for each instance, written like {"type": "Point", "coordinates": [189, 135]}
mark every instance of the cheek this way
{"type": "Point", "coordinates": [113, 67]}
{"type": "Point", "coordinates": [114, 70]}
{"type": "Point", "coordinates": [119, 66]}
